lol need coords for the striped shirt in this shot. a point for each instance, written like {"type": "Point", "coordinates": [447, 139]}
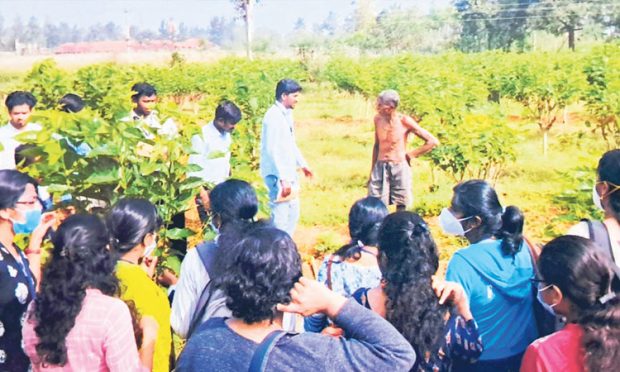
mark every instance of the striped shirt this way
{"type": "Point", "coordinates": [102, 338]}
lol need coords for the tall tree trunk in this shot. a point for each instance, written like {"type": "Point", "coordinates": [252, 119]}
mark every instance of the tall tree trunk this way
{"type": "Point", "coordinates": [571, 38]}
{"type": "Point", "coordinates": [249, 22]}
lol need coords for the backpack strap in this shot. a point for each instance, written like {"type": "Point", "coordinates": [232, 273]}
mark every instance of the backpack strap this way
{"type": "Point", "coordinates": [328, 282]}
{"type": "Point", "coordinates": [206, 252]}
{"type": "Point", "coordinates": [261, 355]}
{"type": "Point", "coordinates": [597, 231]}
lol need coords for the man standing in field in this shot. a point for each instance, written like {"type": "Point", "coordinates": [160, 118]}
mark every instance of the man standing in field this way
{"type": "Point", "coordinates": [20, 105]}
{"type": "Point", "coordinates": [390, 175]}
{"type": "Point", "coordinates": [280, 157]}
{"type": "Point", "coordinates": [211, 150]}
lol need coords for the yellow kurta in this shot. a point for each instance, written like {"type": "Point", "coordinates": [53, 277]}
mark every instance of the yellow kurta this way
{"type": "Point", "coordinates": [149, 300]}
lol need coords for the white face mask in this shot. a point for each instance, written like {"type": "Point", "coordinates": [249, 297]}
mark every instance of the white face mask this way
{"type": "Point", "coordinates": [539, 297]}
{"type": "Point", "coordinates": [596, 199]}
{"type": "Point", "coordinates": [150, 248]}
{"type": "Point", "coordinates": [452, 225]}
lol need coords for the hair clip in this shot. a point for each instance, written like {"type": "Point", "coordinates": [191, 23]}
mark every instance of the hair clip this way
{"type": "Point", "coordinates": [360, 244]}
{"type": "Point", "coordinates": [420, 229]}
{"type": "Point", "coordinates": [63, 252]}
{"type": "Point", "coordinates": [606, 298]}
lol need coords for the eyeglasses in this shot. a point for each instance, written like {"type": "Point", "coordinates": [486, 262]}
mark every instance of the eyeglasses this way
{"type": "Point", "coordinates": [29, 203]}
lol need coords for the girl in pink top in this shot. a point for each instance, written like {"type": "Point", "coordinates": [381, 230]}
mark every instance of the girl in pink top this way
{"type": "Point", "coordinates": [577, 281]}
{"type": "Point", "coordinates": [76, 322]}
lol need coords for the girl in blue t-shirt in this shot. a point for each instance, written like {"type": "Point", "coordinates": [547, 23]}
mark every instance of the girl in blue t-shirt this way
{"type": "Point", "coordinates": [495, 270]}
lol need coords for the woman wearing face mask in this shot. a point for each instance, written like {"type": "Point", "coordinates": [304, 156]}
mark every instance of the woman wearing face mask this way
{"type": "Point", "coordinates": [133, 225]}
{"type": "Point", "coordinates": [233, 205]}
{"type": "Point", "coordinates": [578, 282]}
{"type": "Point", "coordinates": [20, 213]}
{"type": "Point", "coordinates": [606, 197]}
{"type": "Point", "coordinates": [495, 270]}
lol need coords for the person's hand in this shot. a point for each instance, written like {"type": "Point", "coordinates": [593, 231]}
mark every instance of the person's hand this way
{"type": "Point", "coordinates": [149, 327]}
{"type": "Point", "coordinates": [167, 278]}
{"type": "Point", "coordinates": [311, 297]}
{"type": "Point", "coordinates": [453, 293]}
{"type": "Point", "coordinates": [286, 188]}
{"type": "Point", "coordinates": [48, 220]}
{"type": "Point", "coordinates": [332, 331]}
{"type": "Point", "coordinates": [149, 264]}
{"type": "Point", "coordinates": [206, 200]}
{"type": "Point", "coordinates": [307, 172]}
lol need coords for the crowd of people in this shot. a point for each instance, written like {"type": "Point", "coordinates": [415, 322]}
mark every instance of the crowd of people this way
{"type": "Point", "coordinates": [97, 304]}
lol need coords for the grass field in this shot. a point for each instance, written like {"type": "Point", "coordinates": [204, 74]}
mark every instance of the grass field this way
{"type": "Point", "coordinates": [335, 133]}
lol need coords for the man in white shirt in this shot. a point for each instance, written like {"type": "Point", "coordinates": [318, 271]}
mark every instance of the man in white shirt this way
{"type": "Point", "coordinates": [144, 99]}
{"type": "Point", "coordinates": [280, 157]}
{"type": "Point", "coordinates": [211, 150]}
{"type": "Point", "coordinates": [20, 105]}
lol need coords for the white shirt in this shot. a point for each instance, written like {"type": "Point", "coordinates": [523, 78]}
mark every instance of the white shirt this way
{"type": "Point", "coordinates": [168, 129]}
{"type": "Point", "coordinates": [581, 229]}
{"type": "Point", "coordinates": [211, 151]}
{"type": "Point", "coordinates": [9, 143]}
{"type": "Point", "coordinates": [280, 155]}
{"type": "Point", "coordinates": [192, 281]}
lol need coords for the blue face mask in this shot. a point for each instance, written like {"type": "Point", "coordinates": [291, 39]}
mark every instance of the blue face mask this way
{"type": "Point", "coordinates": [33, 219]}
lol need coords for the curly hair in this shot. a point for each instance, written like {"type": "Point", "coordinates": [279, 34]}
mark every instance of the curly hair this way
{"type": "Point", "coordinates": [365, 218]}
{"type": "Point", "coordinates": [408, 259]}
{"type": "Point", "coordinates": [80, 260]}
{"type": "Point", "coordinates": [578, 268]}
{"type": "Point", "coordinates": [261, 275]}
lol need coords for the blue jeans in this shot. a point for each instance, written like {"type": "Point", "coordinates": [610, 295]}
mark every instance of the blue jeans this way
{"type": "Point", "coordinates": [284, 215]}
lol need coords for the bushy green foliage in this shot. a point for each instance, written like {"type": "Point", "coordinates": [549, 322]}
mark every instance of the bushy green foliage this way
{"type": "Point", "coordinates": [447, 96]}
{"type": "Point", "coordinates": [122, 163]}
{"type": "Point", "coordinates": [602, 94]}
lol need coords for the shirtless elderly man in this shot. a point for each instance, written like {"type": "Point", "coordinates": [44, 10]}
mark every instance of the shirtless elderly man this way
{"type": "Point", "coordinates": [390, 175]}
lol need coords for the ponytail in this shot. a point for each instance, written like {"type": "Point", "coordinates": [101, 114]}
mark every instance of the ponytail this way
{"type": "Point", "coordinates": [601, 334]}
{"type": "Point", "coordinates": [511, 231]}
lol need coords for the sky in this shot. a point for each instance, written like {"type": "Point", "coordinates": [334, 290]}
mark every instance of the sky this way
{"type": "Point", "coordinates": [277, 15]}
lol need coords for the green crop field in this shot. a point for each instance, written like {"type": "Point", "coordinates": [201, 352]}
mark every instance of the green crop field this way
{"type": "Point", "coordinates": [533, 124]}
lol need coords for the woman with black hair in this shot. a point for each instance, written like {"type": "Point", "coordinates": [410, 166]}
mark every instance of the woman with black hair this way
{"type": "Point", "coordinates": [233, 206]}
{"type": "Point", "coordinates": [433, 315]}
{"type": "Point", "coordinates": [20, 213]}
{"type": "Point", "coordinates": [606, 197]}
{"type": "Point", "coordinates": [133, 225]}
{"type": "Point", "coordinates": [577, 281]}
{"type": "Point", "coordinates": [77, 322]}
{"type": "Point", "coordinates": [355, 264]}
{"type": "Point", "coordinates": [264, 275]}
{"type": "Point", "coordinates": [495, 271]}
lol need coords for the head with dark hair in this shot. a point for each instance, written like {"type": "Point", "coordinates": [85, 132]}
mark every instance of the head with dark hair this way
{"type": "Point", "coordinates": [80, 260]}
{"type": "Point", "coordinates": [579, 282]}
{"type": "Point", "coordinates": [365, 218]}
{"type": "Point", "coordinates": [265, 268]}
{"type": "Point", "coordinates": [287, 92]}
{"type": "Point", "coordinates": [20, 105]}
{"type": "Point", "coordinates": [144, 97]}
{"type": "Point", "coordinates": [132, 223]}
{"type": "Point", "coordinates": [408, 259]}
{"type": "Point", "coordinates": [71, 103]}
{"type": "Point", "coordinates": [608, 182]}
{"type": "Point", "coordinates": [227, 115]}
{"type": "Point", "coordinates": [476, 203]}
{"type": "Point", "coordinates": [18, 194]}
{"type": "Point", "coordinates": [233, 202]}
